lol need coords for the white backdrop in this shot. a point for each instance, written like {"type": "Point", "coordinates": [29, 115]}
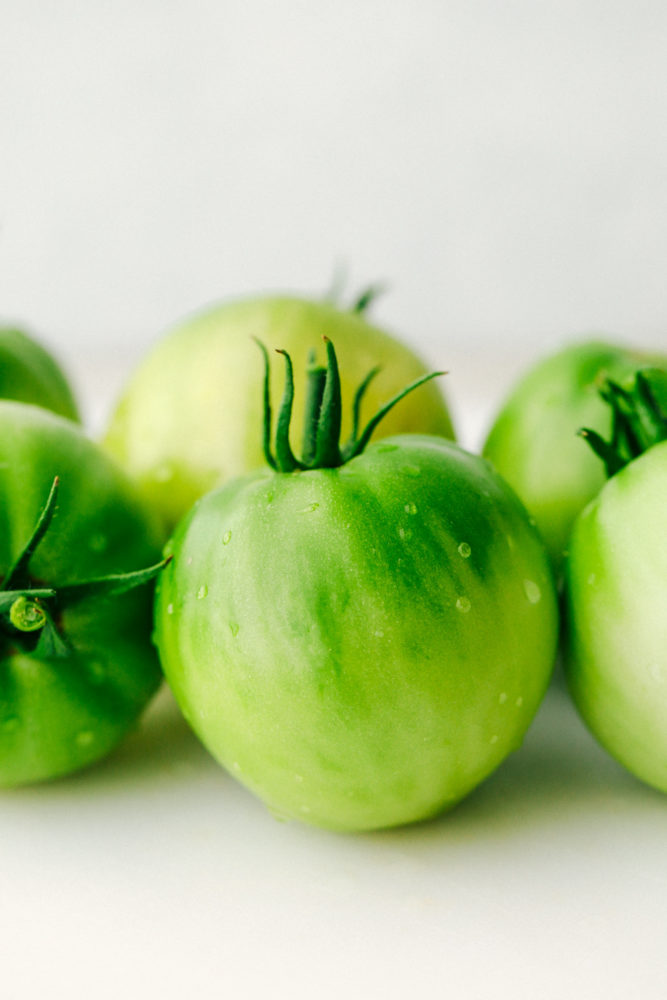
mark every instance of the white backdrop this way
{"type": "Point", "coordinates": [500, 164]}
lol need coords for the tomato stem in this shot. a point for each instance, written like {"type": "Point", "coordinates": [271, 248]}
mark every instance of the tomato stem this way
{"type": "Point", "coordinates": [323, 415]}
{"type": "Point", "coordinates": [639, 418]}
{"type": "Point", "coordinates": [27, 613]}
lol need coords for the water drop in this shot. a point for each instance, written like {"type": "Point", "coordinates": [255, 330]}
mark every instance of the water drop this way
{"type": "Point", "coordinates": [305, 809]}
{"type": "Point", "coordinates": [533, 592]}
{"type": "Point", "coordinates": [98, 671]}
{"type": "Point", "coordinates": [226, 538]}
{"type": "Point", "coordinates": [494, 738]}
{"type": "Point", "coordinates": [379, 633]}
{"type": "Point", "coordinates": [202, 592]}
{"type": "Point", "coordinates": [188, 561]}
{"type": "Point", "coordinates": [170, 609]}
{"type": "Point", "coordinates": [463, 604]}
{"type": "Point", "coordinates": [411, 508]}
{"type": "Point", "coordinates": [310, 508]}
{"type": "Point", "coordinates": [236, 766]}
{"type": "Point", "coordinates": [411, 470]}
{"type": "Point", "coordinates": [519, 702]}
{"type": "Point", "coordinates": [464, 550]}
{"type": "Point", "coordinates": [591, 579]}
{"type": "Point", "coordinates": [98, 542]}
{"type": "Point", "coordinates": [85, 738]}
{"type": "Point", "coordinates": [298, 778]}
{"type": "Point", "coordinates": [405, 534]}
{"type": "Point", "coordinates": [163, 473]}
{"type": "Point", "coordinates": [269, 499]}
{"type": "Point", "coordinates": [502, 697]}
{"type": "Point", "coordinates": [234, 628]}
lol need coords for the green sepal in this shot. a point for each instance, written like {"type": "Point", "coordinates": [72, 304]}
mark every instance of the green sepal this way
{"type": "Point", "coordinates": [639, 418]}
{"type": "Point", "coordinates": [106, 586]}
{"type": "Point", "coordinates": [17, 577]}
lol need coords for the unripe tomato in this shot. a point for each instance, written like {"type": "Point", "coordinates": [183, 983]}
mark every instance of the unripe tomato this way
{"type": "Point", "coordinates": [360, 642]}
{"type": "Point", "coordinates": [76, 662]}
{"type": "Point", "coordinates": [533, 441]}
{"type": "Point", "coordinates": [191, 416]}
{"type": "Point", "coordinates": [616, 600]}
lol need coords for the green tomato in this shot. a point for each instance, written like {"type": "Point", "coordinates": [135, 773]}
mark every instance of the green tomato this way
{"type": "Point", "coordinates": [616, 625]}
{"type": "Point", "coordinates": [533, 441]}
{"type": "Point", "coordinates": [360, 645]}
{"type": "Point", "coordinates": [191, 416]}
{"type": "Point", "coordinates": [28, 373]}
{"type": "Point", "coordinates": [77, 663]}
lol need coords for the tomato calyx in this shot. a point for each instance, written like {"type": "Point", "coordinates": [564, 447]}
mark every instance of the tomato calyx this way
{"type": "Point", "coordinates": [639, 418]}
{"type": "Point", "coordinates": [30, 613]}
{"type": "Point", "coordinates": [323, 415]}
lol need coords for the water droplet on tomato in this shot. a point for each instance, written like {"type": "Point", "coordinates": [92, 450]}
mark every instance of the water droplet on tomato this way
{"type": "Point", "coordinates": [188, 561]}
{"type": "Point", "coordinates": [234, 628]}
{"type": "Point", "coordinates": [170, 609]}
{"type": "Point", "coordinates": [463, 604]}
{"type": "Point", "coordinates": [310, 508]}
{"type": "Point", "coordinates": [494, 738]}
{"type": "Point", "coordinates": [85, 738]}
{"type": "Point", "coordinates": [163, 473]}
{"type": "Point", "coordinates": [405, 533]}
{"type": "Point", "coordinates": [519, 702]}
{"type": "Point", "coordinates": [379, 633]}
{"type": "Point", "coordinates": [502, 698]}
{"type": "Point", "coordinates": [591, 579]}
{"type": "Point", "coordinates": [464, 550]}
{"type": "Point", "coordinates": [98, 542]}
{"type": "Point", "coordinates": [226, 538]}
{"type": "Point", "coordinates": [202, 592]}
{"type": "Point", "coordinates": [533, 592]}
{"type": "Point", "coordinates": [411, 470]}
{"type": "Point", "coordinates": [411, 508]}
{"type": "Point", "coordinates": [98, 670]}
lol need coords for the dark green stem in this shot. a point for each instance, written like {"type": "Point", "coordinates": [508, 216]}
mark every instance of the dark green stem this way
{"type": "Point", "coordinates": [321, 439]}
{"type": "Point", "coordinates": [327, 452]}
{"type": "Point", "coordinates": [314, 393]}
{"type": "Point", "coordinates": [639, 418]}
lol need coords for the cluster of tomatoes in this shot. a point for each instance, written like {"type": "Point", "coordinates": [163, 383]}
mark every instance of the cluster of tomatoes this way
{"type": "Point", "coordinates": [357, 617]}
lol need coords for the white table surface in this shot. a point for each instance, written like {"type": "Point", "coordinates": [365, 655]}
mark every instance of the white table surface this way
{"type": "Point", "coordinates": [155, 875]}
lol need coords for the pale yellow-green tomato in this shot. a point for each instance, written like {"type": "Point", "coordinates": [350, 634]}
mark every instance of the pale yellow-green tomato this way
{"type": "Point", "coordinates": [191, 416]}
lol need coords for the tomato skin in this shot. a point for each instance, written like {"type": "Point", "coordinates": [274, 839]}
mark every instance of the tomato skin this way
{"type": "Point", "coordinates": [191, 416]}
{"type": "Point", "coordinates": [533, 442]}
{"type": "Point", "coordinates": [360, 646]}
{"type": "Point", "coordinates": [616, 625]}
{"type": "Point", "coordinates": [60, 714]}
{"type": "Point", "coordinates": [29, 374]}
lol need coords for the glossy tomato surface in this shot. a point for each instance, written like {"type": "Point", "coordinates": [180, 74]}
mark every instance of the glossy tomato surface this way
{"type": "Point", "coordinates": [61, 712]}
{"type": "Point", "coordinates": [616, 634]}
{"type": "Point", "coordinates": [191, 416]}
{"type": "Point", "coordinates": [30, 374]}
{"type": "Point", "coordinates": [361, 646]}
{"type": "Point", "coordinates": [533, 442]}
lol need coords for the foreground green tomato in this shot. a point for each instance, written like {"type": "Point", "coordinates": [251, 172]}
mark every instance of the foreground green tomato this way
{"type": "Point", "coordinates": [29, 374]}
{"type": "Point", "coordinates": [76, 668]}
{"type": "Point", "coordinates": [616, 620]}
{"type": "Point", "coordinates": [533, 441]}
{"type": "Point", "coordinates": [192, 414]}
{"type": "Point", "coordinates": [360, 645]}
